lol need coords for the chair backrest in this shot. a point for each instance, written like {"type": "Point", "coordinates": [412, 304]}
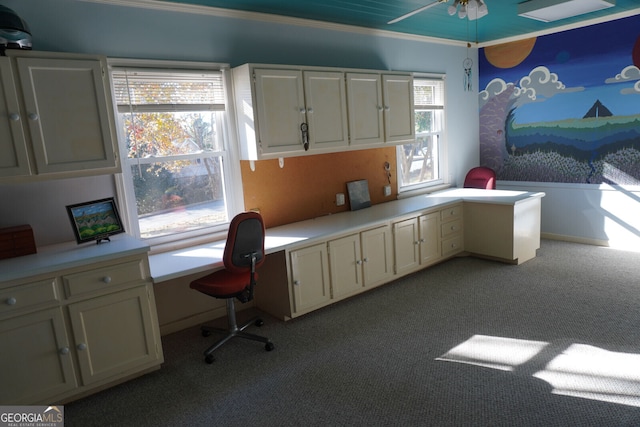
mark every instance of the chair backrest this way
{"type": "Point", "coordinates": [245, 238]}
{"type": "Point", "coordinates": [480, 177]}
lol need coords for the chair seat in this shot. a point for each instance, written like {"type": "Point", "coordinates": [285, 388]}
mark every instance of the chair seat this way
{"type": "Point", "coordinates": [223, 284]}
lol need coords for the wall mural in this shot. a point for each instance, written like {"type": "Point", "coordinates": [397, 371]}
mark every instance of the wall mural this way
{"type": "Point", "coordinates": [564, 107]}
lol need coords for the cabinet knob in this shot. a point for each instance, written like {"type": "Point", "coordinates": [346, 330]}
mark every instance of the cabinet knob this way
{"type": "Point", "coordinates": [366, 260]}
{"type": "Point", "coordinates": [33, 116]}
{"type": "Point", "coordinates": [386, 108]}
{"type": "Point", "coordinates": [64, 350]}
{"type": "Point", "coordinates": [14, 117]}
{"type": "Point", "coordinates": [302, 111]}
{"type": "Point", "coordinates": [380, 108]}
{"type": "Point", "coordinates": [421, 240]}
{"type": "Point", "coordinates": [106, 279]}
{"type": "Point", "coordinates": [310, 110]}
{"type": "Point", "coordinates": [358, 262]}
{"type": "Point", "coordinates": [82, 346]}
{"type": "Point", "coordinates": [11, 301]}
{"type": "Point", "coordinates": [296, 283]}
{"type": "Point", "coordinates": [416, 242]}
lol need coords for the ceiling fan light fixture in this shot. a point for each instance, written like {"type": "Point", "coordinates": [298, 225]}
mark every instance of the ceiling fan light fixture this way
{"type": "Point", "coordinates": [555, 10]}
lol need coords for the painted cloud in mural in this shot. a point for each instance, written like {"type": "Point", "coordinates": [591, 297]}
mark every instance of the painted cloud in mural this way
{"type": "Point", "coordinates": [630, 73]}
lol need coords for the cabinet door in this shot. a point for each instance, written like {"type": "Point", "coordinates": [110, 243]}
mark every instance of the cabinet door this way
{"type": "Point", "coordinates": [35, 361]}
{"type": "Point", "coordinates": [114, 334]}
{"type": "Point", "coordinates": [345, 263]}
{"type": "Point", "coordinates": [326, 106]}
{"type": "Point", "coordinates": [376, 256]}
{"type": "Point", "coordinates": [406, 244]}
{"type": "Point", "coordinates": [68, 114]}
{"type": "Point", "coordinates": [280, 110]}
{"type": "Point", "coordinates": [310, 278]}
{"type": "Point", "coordinates": [364, 95]}
{"type": "Point", "coordinates": [14, 160]}
{"type": "Point", "coordinates": [399, 117]}
{"type": "Point", "coordinates": [429, 238]}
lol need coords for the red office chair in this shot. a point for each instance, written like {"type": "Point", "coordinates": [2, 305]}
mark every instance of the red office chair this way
{"type": "Point", "coordinates": [480, 177]}
{"type": "Point", "coordinates": [243, 253]}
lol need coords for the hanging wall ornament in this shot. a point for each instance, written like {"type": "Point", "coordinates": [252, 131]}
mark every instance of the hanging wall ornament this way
{"type": "Point", "coordinates": [467, 64]}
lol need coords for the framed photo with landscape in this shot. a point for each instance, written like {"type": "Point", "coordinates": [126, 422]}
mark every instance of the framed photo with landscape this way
{"type": "Point", "coordinates": [96, 220]}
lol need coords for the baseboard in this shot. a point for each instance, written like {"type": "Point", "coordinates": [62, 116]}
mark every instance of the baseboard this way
{"type": "Point", "coordinates": [574, 239]}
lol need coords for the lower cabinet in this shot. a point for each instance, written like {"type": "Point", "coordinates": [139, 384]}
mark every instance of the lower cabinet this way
{"type": "Point", "coordinates": [329, 271]}
{"type": "Point", "coordinates": [85, 328]}
{"type": "Point", "coordinates": [416, 242]}
{"type": "Point", "coordinates": [310, 285]}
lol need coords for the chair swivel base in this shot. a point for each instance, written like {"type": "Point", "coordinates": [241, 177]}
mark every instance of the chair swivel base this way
{"type": "Point", "coordinates": [233, 331]}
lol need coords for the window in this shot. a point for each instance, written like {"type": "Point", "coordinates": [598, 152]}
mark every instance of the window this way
{"type": "Point", "coordinates": [421, 163]}
{"type": "Point", "coordinates": [172, 130]}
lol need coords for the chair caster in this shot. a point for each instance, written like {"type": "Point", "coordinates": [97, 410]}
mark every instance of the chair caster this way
{"type": "Point", "coordinates": [206, 333]}
{"type": "Point", "coordinates": [259, 322]}
{"type": "Point", "coordinates": [269, 346]}
{"type": "Point", "coordinates": [209, 359]}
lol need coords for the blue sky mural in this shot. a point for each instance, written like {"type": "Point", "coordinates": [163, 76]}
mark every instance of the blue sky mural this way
{"type": "Point", "coordinates": [564, 107]}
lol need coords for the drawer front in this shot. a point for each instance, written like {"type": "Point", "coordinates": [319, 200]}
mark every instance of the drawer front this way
{"type": "Point", "coordinates": [451, 228]}
{"type": "Point", "coordinates": [452, 246]}
{"type": "Point", "coordinates": [100, 279]}
{"type": "Point", "coordinates": [450, 213]}
{"type": "Point", "coordinates": [28, 295]}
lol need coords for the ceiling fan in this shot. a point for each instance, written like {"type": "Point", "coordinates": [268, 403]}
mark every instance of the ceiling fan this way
{"type": "Point", "coordinates": [472, 9]}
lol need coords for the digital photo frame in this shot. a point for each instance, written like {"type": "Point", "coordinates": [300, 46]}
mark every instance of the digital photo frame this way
{"type": "Point", "coordinates": [96, 220]}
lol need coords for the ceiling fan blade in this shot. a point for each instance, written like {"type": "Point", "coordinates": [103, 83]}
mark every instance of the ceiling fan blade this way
{"type": "Point", "coordinates": [418, 10]}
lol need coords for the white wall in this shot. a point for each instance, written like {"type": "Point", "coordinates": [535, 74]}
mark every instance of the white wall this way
{"type": "Point", "coordinates": [133, 32]}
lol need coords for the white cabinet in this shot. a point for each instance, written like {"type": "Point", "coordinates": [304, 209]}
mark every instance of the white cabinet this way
{"type": "Point", "coordinates": [451, 236]}
{"type": "Point", "coordinates": [380, 108]}
{"type": "Point", "coordinates": [366, 110]}
{"type": "Point", "coordinates": [291, 111]}
{"type": "Point", "coordinates": [57, 116]}
{"type": "Point", "coordinates": [295, 111]}
{"type": "Point", "coordinates": [78, 329]}
{"type": "Point", "coordinates": [417, 242]}
{"type": "Point", "coordinates": [310, 286]}
{"type": "Point", "coordinates": [360, 260]}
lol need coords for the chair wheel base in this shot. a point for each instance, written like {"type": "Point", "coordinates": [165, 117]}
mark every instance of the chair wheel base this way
{"type": "Point", "coordinates": [269, 346]}
{"type": "Point", "coordinates": [209, 359]}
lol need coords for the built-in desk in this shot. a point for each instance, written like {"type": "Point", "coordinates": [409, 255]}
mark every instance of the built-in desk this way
{"type": "Point", "coordinates": [502, 225]}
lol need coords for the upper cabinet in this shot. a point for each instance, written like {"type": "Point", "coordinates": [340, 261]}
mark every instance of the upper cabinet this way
{"type": "Point", "coordinates": [56, 117]}
{"type": "Point", "coordinates": [291, 111]}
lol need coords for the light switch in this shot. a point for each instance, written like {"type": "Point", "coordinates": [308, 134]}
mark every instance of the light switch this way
{"type": "Point", "coordinates": [387, 190]}
{"type": "Point", "coordinates": [339, 199]}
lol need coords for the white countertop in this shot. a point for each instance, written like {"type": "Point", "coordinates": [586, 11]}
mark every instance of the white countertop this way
{"type": "Point", "coordinates": [68, 255]}
{"type": "Point", "coordinates": [207, 257]}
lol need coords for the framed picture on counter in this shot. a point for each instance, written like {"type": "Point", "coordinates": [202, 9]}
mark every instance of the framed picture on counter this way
{"type": "Point", "coordinates": [96, 220]}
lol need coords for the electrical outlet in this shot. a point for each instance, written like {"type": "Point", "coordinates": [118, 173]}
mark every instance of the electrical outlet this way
{"type": "Point", "coordinates": [387, 190]}
{"type": "Point", "coordinates": [339, 199]}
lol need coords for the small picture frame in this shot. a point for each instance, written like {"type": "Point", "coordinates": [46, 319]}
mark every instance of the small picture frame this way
{"type": "Point", "coordinates": [359, 194]}
{"type": "Point", "coordinates": [96, 220]}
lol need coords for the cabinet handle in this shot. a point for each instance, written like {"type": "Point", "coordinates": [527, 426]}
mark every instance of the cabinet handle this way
{"type": "Point", "coordinates": [11, 301]}
{"type": "Point", "coordinates": [14, 117]}
{"type": "Point", "coordinates": [64, 351]}
{"type": "Point", "coordinates": [82, 346]}
{"type": "Point", "coordinates": [453, 227]}
{"type": "Point", "coordinates": [33, 116]}
{"type": "Point", "coordinates": [106, 279]}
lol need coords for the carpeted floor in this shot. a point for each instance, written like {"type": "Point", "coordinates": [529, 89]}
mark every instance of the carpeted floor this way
{"type": "Point", "coordinates": [470, 342]}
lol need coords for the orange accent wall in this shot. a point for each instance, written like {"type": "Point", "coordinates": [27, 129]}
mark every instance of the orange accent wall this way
{"type": "Point", "coordinates": [306, 186]}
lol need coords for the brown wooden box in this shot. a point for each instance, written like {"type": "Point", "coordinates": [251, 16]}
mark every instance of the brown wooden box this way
{"type": "Point", "coordinates": [16, 241]}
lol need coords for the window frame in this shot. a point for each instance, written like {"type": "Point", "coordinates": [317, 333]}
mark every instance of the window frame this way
{"type": "Point", "coordinates": [232, 177]}
{"type": "Point", "coordinates": [442, 181]}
